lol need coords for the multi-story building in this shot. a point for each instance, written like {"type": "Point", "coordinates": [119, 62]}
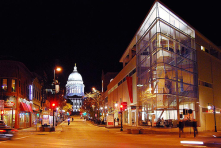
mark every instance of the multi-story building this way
{"type": "Point", "coordinates": [118, 88]}
{"type": "Point", "coordinates": [75, 89]}
{"type": "Point", "coordinates": [15, 80]}
{"type": "Point", "coordinates": [20, 93]}
{"type": "Point", "coordinates": [176, 74]}
{"type": "Point", "coordinates": [36, 97]}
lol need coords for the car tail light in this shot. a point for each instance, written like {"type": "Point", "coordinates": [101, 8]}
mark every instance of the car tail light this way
{"type": "Point", "coordinates": [14, 130]}
{"type": "Point", "coordinates": [2, 130]}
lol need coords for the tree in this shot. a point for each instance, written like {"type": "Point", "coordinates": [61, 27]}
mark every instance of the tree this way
{"type": "Point", "coordinates": [94, 101]}
{"type": "Point", "coordinates": [67, 107]}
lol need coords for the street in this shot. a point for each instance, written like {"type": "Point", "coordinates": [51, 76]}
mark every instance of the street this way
{"type": "Point", "coordinates": [82, 133]}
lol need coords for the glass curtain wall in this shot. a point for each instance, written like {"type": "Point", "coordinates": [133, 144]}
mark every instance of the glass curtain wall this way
{"type": "Point", "coordinates": [166, 68]}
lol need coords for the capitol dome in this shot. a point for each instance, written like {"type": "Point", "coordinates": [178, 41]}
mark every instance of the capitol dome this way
{"type": "Point", "coordinates": [75, 76]}
{"type": "Point", "coordinates": [75, 84]}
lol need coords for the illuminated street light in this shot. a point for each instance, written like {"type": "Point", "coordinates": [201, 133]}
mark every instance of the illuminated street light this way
{"type": "Point", "coordinates": [56, 69]}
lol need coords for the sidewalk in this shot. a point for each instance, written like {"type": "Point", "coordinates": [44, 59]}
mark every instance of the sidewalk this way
{"type": "Point", "coordinates": [58, 128]}
{"type": "Point", "coordinates": [188, 133]}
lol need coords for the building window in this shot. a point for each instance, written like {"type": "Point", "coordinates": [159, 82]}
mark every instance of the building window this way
{"type": "Point", "coordinates": [202, 83]}
{"type": "Point", "coordinates": [13, 85]}
{"type": "Point", "coordinates": [202, 48]}
{"type": "Point", "coordinates": [4, 85]}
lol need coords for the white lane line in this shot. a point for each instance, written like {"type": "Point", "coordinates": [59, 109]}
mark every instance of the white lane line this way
{"type": "Point", "coordinates": [22, 137]}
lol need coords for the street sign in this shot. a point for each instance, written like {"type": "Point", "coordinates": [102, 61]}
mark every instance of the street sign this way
{"type": "Point", "coordinates": [2, 104]}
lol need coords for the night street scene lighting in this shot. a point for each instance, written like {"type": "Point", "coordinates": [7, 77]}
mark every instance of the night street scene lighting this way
{"type": "Point", "coordinates": [107, 74]}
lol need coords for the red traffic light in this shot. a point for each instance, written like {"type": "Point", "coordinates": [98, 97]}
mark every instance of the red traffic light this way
{"type": "Point", "coordinates": [121, 107]}
{"type": "Point", "coordinates": [53, 104]}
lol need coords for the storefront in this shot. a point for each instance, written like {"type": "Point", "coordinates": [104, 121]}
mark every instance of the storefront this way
{"type": "Point", "coordinates": [25, 114]}
{"type": "Point", "coordinates": [35, 116]}
{"type": "Point", "coordinates": [8, 115]}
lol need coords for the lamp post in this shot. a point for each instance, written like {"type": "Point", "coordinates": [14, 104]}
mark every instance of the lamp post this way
{"type": "Point", "coordinates": [121, 108]}
{"type": "Point", "coordinates": [56, 69]}
{"type": "Point", "coordinates": [53, 104]}
{"type": "Point", "coordinates": [214, 112]}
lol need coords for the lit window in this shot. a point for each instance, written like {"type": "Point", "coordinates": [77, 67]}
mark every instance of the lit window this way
{"type": "Point", "coordinates": [13, 85]}
{"type": "Point", "coordinates": [4, 85]}
{"type": "Point", "coordinates": [202, 48]}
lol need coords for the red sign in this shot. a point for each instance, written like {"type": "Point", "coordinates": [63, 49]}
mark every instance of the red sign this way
{"type": "Point", "coordinates": [129, 85]}
{"type": "Point", "coordinates": [9, 104]}
{"type": "Point", "coordinates": [110, 123]}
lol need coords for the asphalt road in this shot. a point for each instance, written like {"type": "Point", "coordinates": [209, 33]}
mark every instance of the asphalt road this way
{"type": "Point", "coordinates": [84, 134]}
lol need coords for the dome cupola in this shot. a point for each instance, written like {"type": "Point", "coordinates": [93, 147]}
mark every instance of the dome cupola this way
{"type": "Point", "coordinates": [75, 76]}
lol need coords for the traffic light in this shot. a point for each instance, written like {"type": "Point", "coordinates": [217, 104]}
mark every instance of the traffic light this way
{"type": "Point", "coordinates": [124, 105]}
{"type": "Point", "coordinates": [2, 112]}
{"type": "Point", "coordinates": [121, 107]}
{"type": "Point", "coordinates": [53, 105]}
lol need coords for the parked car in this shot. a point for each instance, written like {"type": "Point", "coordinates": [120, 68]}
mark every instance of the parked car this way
{"type": "Point", "coordinates": [5, 131]}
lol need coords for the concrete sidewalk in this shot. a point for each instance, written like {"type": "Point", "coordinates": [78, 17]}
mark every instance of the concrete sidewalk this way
{"type": "Point", "coordinates": [188, 132]}
{"type": "Point", "coordinates": [58, 128]}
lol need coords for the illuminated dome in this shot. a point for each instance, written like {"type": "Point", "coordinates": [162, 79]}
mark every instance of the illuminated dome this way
{"type": "Point", "coordinates": [75, 76]}
{"type": "Point", "coordinates": [75, 85]}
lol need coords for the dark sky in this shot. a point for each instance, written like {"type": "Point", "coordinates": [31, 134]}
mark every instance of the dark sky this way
{"type": "Point", "coordinates": [92, 33]}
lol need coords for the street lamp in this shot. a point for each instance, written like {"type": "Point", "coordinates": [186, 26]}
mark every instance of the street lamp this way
{"type": "Point", "coordinates": [56, 69]}
{"type": "Point", "coordinates": [214, 112]}
{"type": "Point", "coordinates": [53, 104]}
{"type": "Point", "coordinates": [121, 108]}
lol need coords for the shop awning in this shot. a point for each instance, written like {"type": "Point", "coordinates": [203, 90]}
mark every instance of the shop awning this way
{"type": "Point", "coordinates": [23, 107]}
{"type": "Point", "coordinates": [29, 108]}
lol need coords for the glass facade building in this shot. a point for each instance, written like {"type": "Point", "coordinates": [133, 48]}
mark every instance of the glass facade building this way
{"type": "Point", "coordinates": [166, 68]}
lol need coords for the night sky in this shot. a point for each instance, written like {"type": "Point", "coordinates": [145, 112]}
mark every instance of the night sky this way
{"type": "Point", "coordinates": [91, 33]}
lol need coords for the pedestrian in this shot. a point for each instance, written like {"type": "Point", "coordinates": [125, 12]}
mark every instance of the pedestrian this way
{"type": "Point", "coordinates": [68, 121]}
{"type": "Point", "coordinates": [72, 119]}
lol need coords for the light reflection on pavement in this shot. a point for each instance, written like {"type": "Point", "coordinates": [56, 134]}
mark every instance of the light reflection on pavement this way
{"type": "Point", "coordinates": [84, 134]}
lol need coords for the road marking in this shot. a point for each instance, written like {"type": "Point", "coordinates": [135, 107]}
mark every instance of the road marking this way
{"type": "Point", "coordinates": [22, 137]}
{"type": "Point", "coordinates": [191, 142]}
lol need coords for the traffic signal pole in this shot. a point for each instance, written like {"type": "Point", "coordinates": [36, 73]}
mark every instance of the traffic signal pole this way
{"type": "Point", "coordinates": [53, 117]}
{"type": "Point", "coordinates": [121, 108]}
